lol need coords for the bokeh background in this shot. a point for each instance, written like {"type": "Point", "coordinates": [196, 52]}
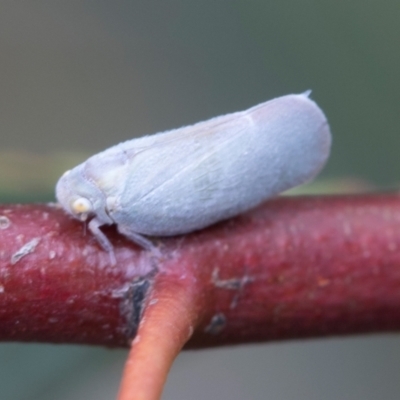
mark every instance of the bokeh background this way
{"type": "Point", "coordinates": [79, 76]}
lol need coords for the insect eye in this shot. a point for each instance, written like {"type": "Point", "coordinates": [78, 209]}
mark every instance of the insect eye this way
{"type": "Point", "coordinates": [81, 206]}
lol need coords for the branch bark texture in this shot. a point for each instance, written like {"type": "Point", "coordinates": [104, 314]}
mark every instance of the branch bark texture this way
{"type": "Point", "coordinates": [292, 268]}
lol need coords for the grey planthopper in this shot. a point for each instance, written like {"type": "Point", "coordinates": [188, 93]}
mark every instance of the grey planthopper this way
{"type": "Point", "coordinates": [185, 179]}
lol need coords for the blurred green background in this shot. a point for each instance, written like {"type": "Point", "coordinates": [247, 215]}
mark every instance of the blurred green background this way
{"type": "Point", "coordinates": [79, 76]}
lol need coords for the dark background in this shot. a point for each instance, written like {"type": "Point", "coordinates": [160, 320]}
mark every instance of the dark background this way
{"type": "Point", "coordinates": [79, 76]}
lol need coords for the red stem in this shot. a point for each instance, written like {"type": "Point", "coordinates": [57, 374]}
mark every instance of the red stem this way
{"type": "Point", "coordinates": [295, 267]}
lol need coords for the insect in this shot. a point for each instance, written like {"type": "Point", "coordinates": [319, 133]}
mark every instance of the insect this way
{"type": "Point", "coordinates": [185, 179]}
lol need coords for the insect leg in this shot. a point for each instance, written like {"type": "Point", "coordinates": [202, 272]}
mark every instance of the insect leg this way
{"type": "Point", "coordinates": [139, 239]}
{"type": "Point", "coordinates": [94, 227]}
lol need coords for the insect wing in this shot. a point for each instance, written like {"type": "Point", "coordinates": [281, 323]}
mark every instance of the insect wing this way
{"type": "Point", "coordinates": [154, 160]}
{"type": "Point", "coordinates": [226, 168]}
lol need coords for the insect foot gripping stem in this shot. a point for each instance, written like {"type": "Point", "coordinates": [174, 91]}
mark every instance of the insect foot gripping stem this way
{"type": "Point", "coordinates": [140, 240]}
{"type": "Point", "coordinates": [94, 227]}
